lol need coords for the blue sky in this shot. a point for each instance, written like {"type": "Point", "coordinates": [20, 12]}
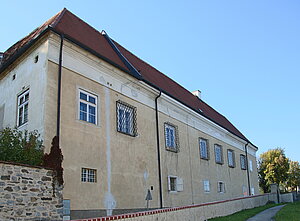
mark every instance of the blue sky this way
{"type": "Point", "coordinates": [243, 55]}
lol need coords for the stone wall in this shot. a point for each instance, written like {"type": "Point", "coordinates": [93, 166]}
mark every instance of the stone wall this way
{"type": "Point", "coordinates": [29, 193]}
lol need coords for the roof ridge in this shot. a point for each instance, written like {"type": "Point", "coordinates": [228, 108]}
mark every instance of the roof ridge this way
{"type": "Point", "coordinates": [58, 16]}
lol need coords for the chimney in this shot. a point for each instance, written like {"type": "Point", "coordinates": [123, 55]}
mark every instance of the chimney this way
{"type": "Point", "coordinates": [197, 93]}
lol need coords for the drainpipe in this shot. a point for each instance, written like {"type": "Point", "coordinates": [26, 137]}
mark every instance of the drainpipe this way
{"type": "Point", "coordinates": [247, 168]}
{"type": "Point", "coordinates": [158, 151]}
{"type": "Point", "coordinates": [59, 86]}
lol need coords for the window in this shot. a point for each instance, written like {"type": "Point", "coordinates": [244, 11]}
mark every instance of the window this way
{"type": "Point", "coordinates": [87, 107]}
{"type": "Point", "coordinates": [221, 187]}
{"type": "Point", "coordinates": [250, 166]}
{"type": "Point", "coordinates": [175, 184]}
{"type": "Point", "coordinates": [88, 175]}
{"type": "Point", "coordinates": [252, 190]}
{"type": "Point", "coordinates": [171, 137]}
{"type": "Point", "coordinates": [203, 149]}
{"type": "Point", "coordinates": [243, 162]}
{"type": "Point", "coordinates": [126, 119]}
{"type": "Point", "coordinates": [23, 101]}
{"type": "Point", "coordinates": [218, 154]}
{"type": "Point", "coordinates": [172, 183]}
{"type": "Point", "coordinates": [206, 186]}
{"type": "Point", "coordinates": [230, 156]}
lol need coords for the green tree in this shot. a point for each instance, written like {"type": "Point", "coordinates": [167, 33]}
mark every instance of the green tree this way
{"type": "Point", "coordinates": [21, 147]}
{"type": "Point", "coordinates": [293, 175]}
{"type": "Point", "coordinates": [273, 167]}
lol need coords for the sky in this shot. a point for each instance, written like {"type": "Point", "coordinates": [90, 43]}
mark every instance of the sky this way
{"type": "Point", "coordinates": [244, 56]}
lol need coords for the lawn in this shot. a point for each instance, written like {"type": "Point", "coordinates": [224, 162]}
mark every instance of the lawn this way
{"type": "Point", "coordinates": [290, 212]}
{"type": "Point", "coordinates": [245, 214]}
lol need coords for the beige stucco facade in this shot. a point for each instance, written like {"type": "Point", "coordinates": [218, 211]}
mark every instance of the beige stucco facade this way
{"type": "Point", "coordinates": [126, 166]}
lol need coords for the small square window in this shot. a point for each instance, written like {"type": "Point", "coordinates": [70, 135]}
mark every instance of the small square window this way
{"type": "Point", "coordinates": [206, 186]}
{"type": "Point", "coordinates": [171, 137]}
{"type": "Point", "coordinates": [243, 162]}
{"type": "Point", "coordinates": [203, 144]}
{"type": "Point", "coordinates": [218, 154]}
{"type": "Point", "coordinates": [88, 175]}
{"type": "Point", "coordinates": [231, 159]}
{"type": "Point", "coordinates": [221, 187]}
{"type": "Point", "coordinates": [126, 119]}
{"type": "Point", "coordinates": [175, 184]}
{"type": "Point", "coordinates": [87, 107]}
{"type": "Point", "coordinates": [23, 102]}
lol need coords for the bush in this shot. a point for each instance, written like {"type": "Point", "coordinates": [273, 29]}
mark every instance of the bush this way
{"type": "Point", "coordinates": [21, 147]}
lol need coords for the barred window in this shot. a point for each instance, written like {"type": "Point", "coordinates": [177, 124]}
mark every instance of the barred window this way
{"type": "Point", "coordinates": [88, 175]}
{"type": "Point", "coordinates": [243, 162]}
{"type": "Point", "coordinates": [203, 148]}
{"type": "Point", "coordinates": [126, 119]}
{"type": "Point", "coordinates": [221, 187]}
{"type": "Point", "coordinates": [218, 154]}
{"type": "Point", "coordinates": [171, 137]}
{"type": "Point", "coordinates": [230, 156]}
{"type": "Point", "coordinates": [23, 101]}
{"type": "Point", "coordinates": [87, 107]}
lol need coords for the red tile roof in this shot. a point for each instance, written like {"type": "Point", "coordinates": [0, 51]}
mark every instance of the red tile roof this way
{"type": "Point", "coordinates": [79, 32]}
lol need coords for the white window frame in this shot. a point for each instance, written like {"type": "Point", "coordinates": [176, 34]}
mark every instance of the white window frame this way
{"type": "Point", "coordinates": [178, 184]}
{"type": "Point", "coordinates": [130, 128]}
{"type": "Point", "coordinates": [252, 191]}
{"type": "Point", "coordinates": [23, 119]}
{"type": "Point", "coordinates": [88, 104]}
{"type": "Point", "coordinates": [231, 164]}
{"type": "Point", "coordinates": [171, 144]}
{"type": "Point", "coordinates": [243, 162]}
{"type": "Point", "coordinates": [88, 175]}
{"type": "Point", "coordinates": [206, 186]}
{"type": "Point", "coordinates": [205, 147]}
{"type": "Point", "coordinates": [217, 146]}
{"type": "Point", "coordinates": [221, 190]}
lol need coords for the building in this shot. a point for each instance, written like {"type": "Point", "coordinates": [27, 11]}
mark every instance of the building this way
{"type": "Point", "coordinates": [125, 128]}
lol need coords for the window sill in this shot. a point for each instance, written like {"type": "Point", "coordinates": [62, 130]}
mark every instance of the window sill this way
{"type": "Point", "coordinates": [172, 150]}
{"type": "Point", "coordinates": [23, 125]}
{"type": "Point", "coordinates": [220, 163]}
{"type": "Point", "coordinates": [87, 123]}
{"type": "Point", "coordinates": [203, 158]}
{"type": "Point", "coordinates": [128, 134]}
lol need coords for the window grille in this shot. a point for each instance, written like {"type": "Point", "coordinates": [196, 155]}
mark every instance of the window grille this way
{"type": "Point", "coordinates": [126, 119]}
{"type": "Point", "coordinates": [230, 156]}
{"type": "Point", "coordinates": [243, 162]}
{"type": "Point", "coordinates": [221, 187]}
{"type": "Point", "coordinates": [171, 137]}
{"type": "Point", "coordinates": [218, 154]}
{"type": "Point", "coordinates": [203, 148]}
{"type": "Point", "coordinates": [23, 101]}
{"type": "Point", "coordinates": [88, 175]}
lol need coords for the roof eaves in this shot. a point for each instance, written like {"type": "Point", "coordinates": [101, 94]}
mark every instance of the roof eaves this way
{"type": "Point", "coordinates": [22, 50]}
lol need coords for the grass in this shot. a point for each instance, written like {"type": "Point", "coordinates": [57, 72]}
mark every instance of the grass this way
{"type": "Point", "coordinates": [290, 212]}
{"type": "Point", "coordinates": [244, 214]}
